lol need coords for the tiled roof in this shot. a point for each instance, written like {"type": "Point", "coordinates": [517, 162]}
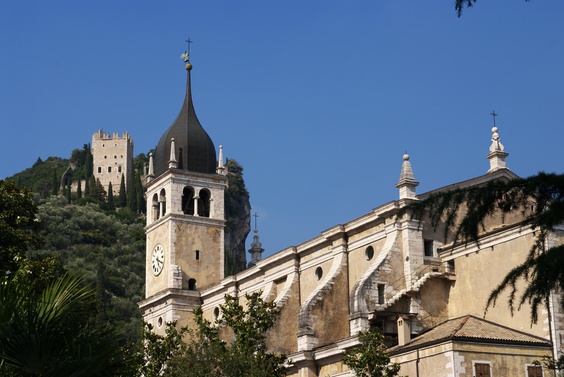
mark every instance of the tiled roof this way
{"type": "Point", "coordinates": [472, 329]}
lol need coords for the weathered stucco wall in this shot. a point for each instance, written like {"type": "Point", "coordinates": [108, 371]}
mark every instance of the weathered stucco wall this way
{"type": "Point", "coordinates": [198, 253]}
{"type": "Point", "coordinates": [159, 236]}
{"type": "Point", "coordinates": [479, 271]}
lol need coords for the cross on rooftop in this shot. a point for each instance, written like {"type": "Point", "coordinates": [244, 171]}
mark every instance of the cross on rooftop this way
{"type": "Point", "coordinates": [189, 41]}
{"type": "Point", "coordinates": [493, 114]}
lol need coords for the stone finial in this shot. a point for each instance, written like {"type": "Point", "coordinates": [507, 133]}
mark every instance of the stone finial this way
{"type": "Point", "coordinates": [407, 183]}
{"type": "Point", "coordinates": [496, 141]}
{"type": "Point", "coordinates": [172, 163]}
{"type": "Point", "coordinates": [497, 154]}
{"type": "Point", "coordinates": [151, 173]}
{"type": "Point", "coordinates": [220, 167]}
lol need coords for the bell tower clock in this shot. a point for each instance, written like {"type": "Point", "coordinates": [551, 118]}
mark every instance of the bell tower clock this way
{"type": "Point", "coordinates": [185, 219]}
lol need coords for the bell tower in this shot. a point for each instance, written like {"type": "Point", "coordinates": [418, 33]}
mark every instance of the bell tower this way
{"type": "Point", "coordinates": [185, 219]}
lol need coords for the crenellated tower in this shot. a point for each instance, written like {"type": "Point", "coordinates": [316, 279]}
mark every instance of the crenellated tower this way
{"type": "Point", "coordinates": [185, 219]}
{"type": "Point", "coordinates": [112, 157]}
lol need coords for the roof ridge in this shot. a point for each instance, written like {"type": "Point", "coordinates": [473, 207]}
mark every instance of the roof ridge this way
{"type": "Point", "coordinates": [462, 323]}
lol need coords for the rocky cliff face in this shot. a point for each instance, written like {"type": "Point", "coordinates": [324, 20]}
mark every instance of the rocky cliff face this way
{"type": "Point", "coordinates": [238, 219]}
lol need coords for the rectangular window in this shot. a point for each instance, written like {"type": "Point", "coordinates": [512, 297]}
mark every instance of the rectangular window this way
{"type": "Point", "coordinates": [428, 245]}
{"type": "Point", "coordinates": [99, 169]}
{"type": "Point", "coordinates": [119, 169]}
{"type": "Point", "coordinates": [381, 293]}
{"type": "Point", "coordinates": [109, 169]}
{"type": "Point", "coordinates": [197, 254]}
{"type": "Point", "coordinates": [534, 371]}
{"type": "Point", "coordinates": [482, 369]}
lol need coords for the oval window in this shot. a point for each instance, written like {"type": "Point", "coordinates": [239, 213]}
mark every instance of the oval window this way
{"type": "Point", "coordinates": [369, 253]}
{"type": "Point", "coordinates": [318, 273]}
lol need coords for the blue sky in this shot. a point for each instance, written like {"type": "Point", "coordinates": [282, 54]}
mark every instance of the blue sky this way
{"type": "Point", "coordinates": [318, 100]}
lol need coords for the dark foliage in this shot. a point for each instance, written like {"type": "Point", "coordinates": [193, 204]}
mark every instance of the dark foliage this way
{"type": "Point", "coordinates": [370, 359]}
{"type": "Point", "coordinates": [18, 225]}
{"type": "Point", "coordinates": [106, 249]}
{"type": "Point", "coordinates": [51, 333]}
{"type": "Point", "coordinates": [539, 202]}
{"type": "Point", "coordinates": [206, 354]}
{"type": "Point", "coordinates": [237, 214]}
{"type": "Point", "coordinates": [43, 178]}
{"type": "Point", "coordinates": [460, 4]}
{"type": "Point", "coordinates": [122, 198]}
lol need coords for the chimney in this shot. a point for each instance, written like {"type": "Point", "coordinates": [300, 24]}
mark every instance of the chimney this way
{"type": "Point", "coordinates": [404, 329]}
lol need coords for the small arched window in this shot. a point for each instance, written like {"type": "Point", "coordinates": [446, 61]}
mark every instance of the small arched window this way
{"type": "Point", "coordinates": [155, 207]}
{"type": "Point", "coordinates": [162, 200]}
{"type": "Point", "coordinates": [188, 201]}
{"type": "Point", "coordinates": [204, 203]}
{"type": "Point", "coordinates": [192, 284]}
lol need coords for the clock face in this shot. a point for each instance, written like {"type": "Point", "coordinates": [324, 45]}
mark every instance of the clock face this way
{"type": "Point", "coordinates": [157, 260]}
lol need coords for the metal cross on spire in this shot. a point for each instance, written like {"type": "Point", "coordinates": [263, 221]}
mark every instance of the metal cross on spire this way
{"type": "Point", "coordinates": [493, 114]}
{"type": "Point", "coordinates": [189, 41]}
{"type": "Point", "coordinates": [186, 55]}
{"type": "Point", "coordinates": [255, 216]}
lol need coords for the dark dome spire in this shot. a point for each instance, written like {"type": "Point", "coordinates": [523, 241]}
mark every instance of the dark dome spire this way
{"type": "Point", "coordinates": [198, 151]}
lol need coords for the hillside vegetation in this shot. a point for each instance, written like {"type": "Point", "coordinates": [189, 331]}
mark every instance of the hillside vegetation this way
{"type": "Point", "coordinates": [101, 238]}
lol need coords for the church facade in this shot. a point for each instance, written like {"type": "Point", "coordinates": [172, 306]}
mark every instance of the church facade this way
{"type": "Point", "coordinates": [381, 269]}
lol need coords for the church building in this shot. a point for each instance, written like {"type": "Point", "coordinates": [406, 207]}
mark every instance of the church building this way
{"type": "Point", "coordinates": [426, 294]}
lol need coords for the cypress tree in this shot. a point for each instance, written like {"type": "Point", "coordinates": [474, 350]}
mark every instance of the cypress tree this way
{"type": "Point", "coordinates": [111, 204]}
{"type": "Point", "coordinates": [132, 193]}
{"type": "Point", "coordinates": [79, 189]}
{"type": "Point", "coordinates": [102, 296]}
{"type": "Point", "coordinates": [141, 205]}
{"type": "Point", "coordinates": [68, 189]}
{"type": "Point", "coordinates": [93, 188]}
{"type": "Point", "coordinates": [122, 199]}
{"type": "Point", "coordinates": [55, 183]}
{"type": "Point", "coordinates": [87, 187]}
{"type": "Point", "coordinates": [100, 192]}
{"type": "Point", "coordinates": [89, 163]}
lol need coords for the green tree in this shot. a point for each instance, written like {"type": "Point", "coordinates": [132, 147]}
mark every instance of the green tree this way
{"type": "Point", "coordinates": [539, 202]}
{"type": "Point", "coordinates": [38, 162]}
{"type": "Point", "coordinates": [97, 192]}
{"type": "Point", "coordinates": [18, 225]}
{"type": "Point", "coordinates": [85, 236]}
{"type": "Point", "coordinates": [111, 204]}
{"type": "Point", "coordinates": [122, 199]}
{"type": "Point", "coordinates": [103, 297]}
{"type": "Point", "coordinates": [38, 272]}
{"type": "Point", "coordinates": [140, 192]}
{"type": "Point", "coordinates": [68, 189]}
{"type": "Point", "coordinates": [132, 193]}
{"type": "Point", "coordinates": [50, 334]}
{"type": "Point", "coordinates": [246, 356]}
{"type": "Point", "coordinates": [89, 161]}
{"type": "Point", "coordinates": [159, 350]}
{"type": "Point", "coordinates": [79, 188]}
{"type": "Point", "coordinates": [369, 359]}
{"type": "Point", "coordinates": [87, 187]}
{"type": "Point", "coordinates": [238, 219]}
{"type": "Point", "coordinates": [55, 184]}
